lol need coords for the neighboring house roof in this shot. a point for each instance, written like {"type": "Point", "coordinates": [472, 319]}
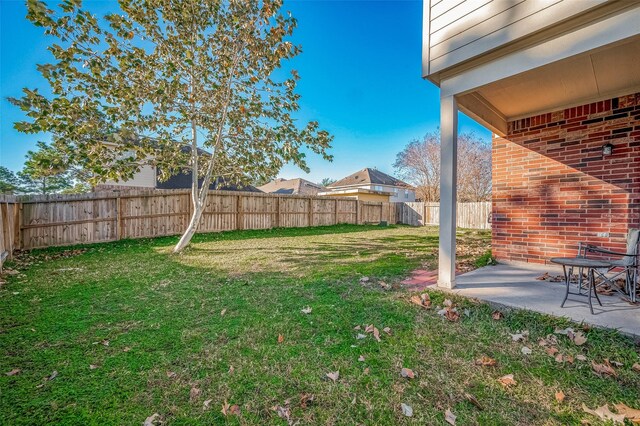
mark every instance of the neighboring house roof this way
{"type": "Point", "coordinates": [183, 181]}
{"type": "Point", "coordinates": [291, 186]}
{"type": "Point", "coordinates": [369, 176]}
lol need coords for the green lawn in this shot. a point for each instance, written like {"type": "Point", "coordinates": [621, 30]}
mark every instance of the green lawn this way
{"type": "Point", "coordinates": [132, 330]}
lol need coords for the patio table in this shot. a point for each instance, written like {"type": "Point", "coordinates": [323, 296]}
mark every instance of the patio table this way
{"type": "Point", "coordinates": [568, 263]}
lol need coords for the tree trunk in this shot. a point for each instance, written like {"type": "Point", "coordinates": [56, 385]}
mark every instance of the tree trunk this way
{"type": "Point", "coordinates": [191, 229]}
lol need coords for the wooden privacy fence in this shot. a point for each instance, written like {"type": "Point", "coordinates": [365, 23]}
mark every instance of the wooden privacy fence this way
{"type": "Point", "coordinates": [469, 215]}
{"type": "Point", "coordinates": [56, 220]}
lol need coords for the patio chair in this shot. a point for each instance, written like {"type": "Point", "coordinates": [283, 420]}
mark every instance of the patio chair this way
{"type": "Point", "coordinates": [627, 263]}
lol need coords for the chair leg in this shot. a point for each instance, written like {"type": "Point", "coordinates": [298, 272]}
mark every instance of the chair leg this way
{"type": "Point", "coordinates": [591, 286]}
{"type": "Point", "coordinates": [566, 281]}
{"type": "Point", "coordinates": [595, 291]}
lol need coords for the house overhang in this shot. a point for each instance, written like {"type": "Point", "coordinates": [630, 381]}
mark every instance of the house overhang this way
{"type": "Point", "coordinates": [596, 62]}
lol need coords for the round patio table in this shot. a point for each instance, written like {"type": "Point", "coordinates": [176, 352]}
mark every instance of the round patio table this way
{"type": "Point", "coordinates": [568, 263]}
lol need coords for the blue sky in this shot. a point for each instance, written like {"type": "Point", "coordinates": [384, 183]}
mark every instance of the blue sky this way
{"type": "Point", "coordinates": [360, 70]}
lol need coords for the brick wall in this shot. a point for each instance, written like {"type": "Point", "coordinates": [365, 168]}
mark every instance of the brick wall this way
{"type": "Point", "coordinates": [553, 188]}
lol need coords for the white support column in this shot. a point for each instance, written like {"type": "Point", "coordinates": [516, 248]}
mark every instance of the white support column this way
{"type": "Point", "coordinates": [448, 192]}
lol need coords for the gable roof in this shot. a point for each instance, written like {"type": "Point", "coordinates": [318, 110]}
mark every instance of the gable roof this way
{"type": "Point", "coordinates": [183, 181]}
{"type": "Point", "coordinates": [368, 176]}
{"type": "Point", "coordinates": [290, 186]}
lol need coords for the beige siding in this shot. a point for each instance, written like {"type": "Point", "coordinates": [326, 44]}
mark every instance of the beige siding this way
{"type": "Point", "coordinates": [461, 30]}
{"type": "Point", "coordinates": [145, 178]}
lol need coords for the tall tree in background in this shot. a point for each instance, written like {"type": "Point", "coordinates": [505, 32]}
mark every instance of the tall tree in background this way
{"type": "Point", "coordinates": [139, 86]}
{"type": "Point", "coordinates": [419, 164]}
{"type": "Point", "coordinates": [327, 181]}
{"type": "Point", "coordinates": [44, 172]}
{"type": "Point", "coordinates": [9, 183]}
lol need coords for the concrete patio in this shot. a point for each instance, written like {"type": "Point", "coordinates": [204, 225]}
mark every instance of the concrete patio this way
{"type": "Point", "coordinates": [517, 287]}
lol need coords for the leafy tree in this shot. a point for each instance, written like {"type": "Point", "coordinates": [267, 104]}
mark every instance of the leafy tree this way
{"type": "Point", "coordinates": [327, 181]}
{"type": "Point", "coordinates": [419, 164]}
{"type": "Point", "coordinates": [139, 86]}
{"type": "Point", "coordinates": [9, 183]}
{"type": "Point", "coordinates": [44, 172]}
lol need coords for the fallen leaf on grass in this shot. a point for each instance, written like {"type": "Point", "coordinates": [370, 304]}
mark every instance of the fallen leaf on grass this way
{"type": "Point", "coordinates": [384, 285]}
{"type": "Point", "coordinates": [452, 314]}
{"type": "Point", "coordinates": [519, 336]}
{"type": "Point", "coordinates": [472, 399]}
{"type": "Point", "coordinates": [13, 372]}
{"type": "Point", "coordinates": [497, 315]}
{"type": "Point", "coordinates": [126, 349]}
{"type": "Point", "coordinates": [53, 375]}
{"type": "Point", "coordinates": [525, 350]}
{"type": "Point", "coordinates": [194, 393]}
{"type": "Point", "coordinates": [604, 369]}
{"type": "Point", "coordinates": [507, 380]}
{"type": "Point", "coordinates": [92, 366]}
{"type": "Point", "coordinates": [581, 357]}
{"type": "Point", "coordinates": [222, 312]}
{"type": "Point", "coordinates": [485, 361]}
{"type": "Point", "coordinates": [387, 330]}
{"type": "Point", "coordinates": [306, 310]}
{"type": "Point", "coordinates": [230, 410]}
{"type": "Point", "coordinates": [366, 371]}
{"type": "Point", "coordinates": [369, 328]}
{"type": "Point", "coordinates": [376, 334]}
{"type": "Point", "coordinates": [579, 339]}
{"type": "Point", "coordinates": [407, 373]}
{"type": "Point", "coordinates": [448, 303]}
{"type": "Point", "coordinates": [636, 367]}
{"type": "Point", "coordinates": [361, 358]}
{"type": "Point", "coordinates": [151, 420]}
{"type": "Point", "coordinates": [550, 340]}
{"type": "Point", "coordinates": [282, 412]}
{"type": "Point", "coordinates": [604, 413]}
{"type": "Point", "coordinates": [357, 327]}
{"type": "Point", "coordinates": [361, 336]}
{"type": "Point", "coordinates": [551, 351]}
{"type": "Point", "coordinates": [334, 375]}
{"type": "Point", "coordinates": [306, 399]}
{"type": "Point", "coordinates": [206, 404]}
{"type": "Point", "coordinates": [171, 374]}
{"type": "Point", "coordinates": [421, 300]}
{"type": "Point", "coordinates": [449, 417]}
{"type": "Point", "coordinates": [364, 279]}
{"type": "Point", "coordinates": [560, 396]}
{"type": "Point", "coordinates": [231, 369]}
{"type": "Point", "coordinates": [630, 413]}
{"type": "Point", "coordinates": [616, 363]}
{"type": "Point", "coordinates": [559, 357]}
{"type": "Point", "coordinates": [564, 331]}
{"type": "Point", "coordinates": [406, 409]}
{"type": "Point", "coordinates": [280, 338]}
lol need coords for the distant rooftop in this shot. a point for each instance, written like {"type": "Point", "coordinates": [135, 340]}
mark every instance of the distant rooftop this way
{"type": "Point", "coordinates": [368, 176]}
{"type": "Point", "coordinates": [291, 186]}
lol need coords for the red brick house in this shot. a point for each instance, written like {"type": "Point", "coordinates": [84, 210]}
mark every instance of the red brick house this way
{"type": "Point", "coordinates": [558, 82]}
{"type": "Point", "coordinates": [553, 187]}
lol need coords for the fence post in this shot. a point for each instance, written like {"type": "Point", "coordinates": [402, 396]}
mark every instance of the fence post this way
{"type": "Point", "coordinates": [118, 218]}
{"type": "Point", "coordinates": [239, 216]}
{"type": "Point", "coordinates": [310, 211]}
{"type": "Point", "coordinates": [335, 218]}
{"type": "Point", "coordinates": [277, 212]}
{"type": "Point", "coordinates": [18, 226]}
{"type": "Point", "coordinates": [357, 212]}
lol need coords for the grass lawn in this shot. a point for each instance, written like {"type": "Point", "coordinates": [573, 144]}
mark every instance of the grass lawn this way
{"type": "Point", "coordinates": [132, 330]}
